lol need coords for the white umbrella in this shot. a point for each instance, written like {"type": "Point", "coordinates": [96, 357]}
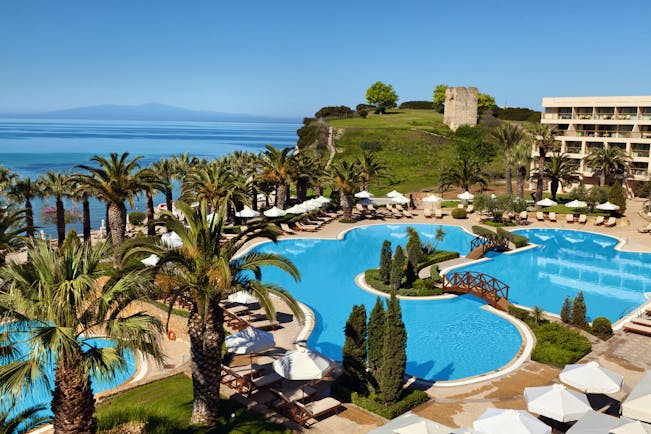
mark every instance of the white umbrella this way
{"type": "Point", "coordinates": [466, 195]}
{"type": "Point", "coordinates": [274, 212]}
{"type": "Point", "coordinates": [394, 193]}
{"type": "Point", "coordinates": [576, 204]}
{"type": "Point", "coordinates": [591, 378]}
{"type": "Point", "coordinates": [211, 216]}
{"type": "Point", "coordinates": [171, 240]}
{"type": "Point", "coordinates": [556, 402]}
{"type": "Point", "coordinates": [401, 200]}
{"type": "Point", "coordinates": [637, 404]}
{"type": "Point", "coordinates": [250, 340]}
{"type": "Point", "coordinates": [432, 198]}
{"type": "Point", "coordinates": [296, 209]}
{"type": "Point", "coordinates": [607, 206]}
{"type": "Point", "coordinates": [499, 421]}
{"type": "Point", "coordinates": [632, 427]}
{"type": "Point", "coordinates": [310, 206]}
{"type": "Point", "coordinates": [421, 427]}
{"type": "Point", "coordinates": [363, 195]}
{"type": "Point", "coordinates": [247, 213]}
{"type": "Point", "coordinates": [242, 297]}
{"type": "Point", "coordinates": [150, 261]}
{"type": "Point", "coordinates": [546, 202]}
{"type": "Point", "coordinates": [323, 199]}
{"type": "Point", "coordinates": [303, 364]}
{"type": "Point", "coordinates": [314, 202]}
{"type": "Point", "coordinates": [365, 202]}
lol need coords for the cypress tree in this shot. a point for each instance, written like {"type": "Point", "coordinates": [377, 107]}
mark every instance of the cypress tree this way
{"type": "Point", "coordinates": [376, 324]}
{"type": "Point", "coordinates": [566, 311]}
{"type": "Point", "coordinates": [385, 262]}
{"type": "Point", "coordinates": [579, 311]}
{"type": "Point", "coordinates": [410, 274]}
{"type": "Point", "coordinates": [414, 247]}
{"type": "Point", "coordinates": [394, 353]}
{"type": "Point", "coordinates": [617, 195]}
{"type": "Point", "coordinates": [354, 351]}
{"type": "Point", "coordinates": [397, 268]}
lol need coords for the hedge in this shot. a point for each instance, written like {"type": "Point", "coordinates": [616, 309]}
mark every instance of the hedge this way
{"type": "Point", "coordinates": [519, 313]}
{"type": "Point", "coordinates": [407, 402]}
{"type": "Point", "coordinates": [517, 239]}
{"type": "Point", "coordinates": [480, 230]}
{"type": "Point", "coordinates": [459, 213]}
{"type": "Point", "coordinates": [559, 346]}
{"type": "Point", "coordinates": [418, 105]}
{"type": "Point", "coordinates": [436, 257]}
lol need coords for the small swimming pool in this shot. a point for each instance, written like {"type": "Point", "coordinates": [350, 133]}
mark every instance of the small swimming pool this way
{"type": "Point", "coordinates": [448, 339]}
{"type": "Point", "coordinates": [566, 262]}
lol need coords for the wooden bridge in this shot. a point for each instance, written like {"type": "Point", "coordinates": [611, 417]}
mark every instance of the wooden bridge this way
{"type": "Point", "coordinates": [488, 288]}
{"type": "Point", "coordinates": [485, 242]}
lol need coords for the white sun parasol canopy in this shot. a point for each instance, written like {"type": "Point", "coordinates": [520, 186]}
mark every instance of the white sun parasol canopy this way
{"type": "Point", "coordinates": [432, 198]}
{"type": "Point", "coordinates": [247, 213]}
{"type": "Point", "coordinates": [274, 212]}
{"type": "Point", "coordinates": [576, 204]}
{"type": "Point", "coordinates": [150, 261]}
{"type": "Point", "coordinates": [363, 195]}
{"type": "Point", "coordinates": [249, 341]}
{"type": "Point", "coordinates": [466, 195]}
{"type": "Point", "coordinates": [546, 202]}
{"type": "Point", "coordinates": [632, 427]}
{"type": "Point", "coordinates": [401, 200]}
{"type": "Point", "coordinates": [607, 206]}
{"type": "Point", "coordinates": [296, 209]}
{"type": "Point", "coordinates": [394, 193]}
{"type": "Point", "coordinates": [171, 240]}
{"type": "Point", "coordinates": [556, 402]}
{"type": "Point", "coordinates": [310, 206]}
{"type": "Point", "coordinates": [591, 378]}
{"type": "Point", "coordinates": [323, 199]}
{"type": "Point", "coordinates": [499, 421]}
{"type": "Point", "coordinates": [242, 297]}
{"type": "Point", "coordinates": [303, 364]}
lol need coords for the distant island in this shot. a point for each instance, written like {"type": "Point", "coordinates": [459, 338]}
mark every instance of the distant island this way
{"type": "Point", "coordinates": [147, 112]}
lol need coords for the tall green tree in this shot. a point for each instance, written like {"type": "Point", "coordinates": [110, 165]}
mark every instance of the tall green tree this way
{"type": "Point", "coordinates": [51, 305]}
{"type": "Point", "coordinates": [508, 136]}
{"type": "Point", "coordinates": [371, 167]}
{"type": "Point", "coordinates": [608, 161]}
{"type": "Point", "coordinates": [166, 172]}
{"type": "Point", "coordinates": [394, 353]}
{"type": "Point", "coordinates": [566, 310]}
{"type": "Point", "coordinates": [114, 181]}
{"type": "Point", "coordinates": [485, 102]}
{"type": "Point", "coordinates": [80, 194]}
{"type": "Point", "coordinates": [24, 190]}
{"type": "Point", "coordinates": [414, 246]}
{"type": "Point", "coordinates": [346, 179]}
{"type": "Point", "coordinates": [205, 270]}
{"type": "Point", "coordinates": [376, 328]}
{"type": "Point", "coordinates": [617, 195]}
{"type": "Point", "coordinates": [277, 167]}
{"type": "Point", "coordinates": [12, 226]}
{"type": "Point", "coordinates": [6, 178]}
{"type": "Point", "coordinates": [439, 96]}
{"type": "Point", "coordinates": [215, 183]}
{"type": "Point", "coordinates": [59, 186]}
{"type": "Point", "coordinates": [579, 311]}
{"type": "Point", "coordinates": [559, 169]}
{"type": "Point", "coordinates": [355, 350]}
{"type": "Point", "coordinates": [545, 140]}
{"type": "Point", "coordinates": [397, 268]}
{"type": "Point", "coordinates": [385, 262]}
{"type": "Point", "coordinates": [520, 157]}
{"type": "Point", "coordinates": [463, 173]}
{"type": "Point", "coordinates": [382, 96]}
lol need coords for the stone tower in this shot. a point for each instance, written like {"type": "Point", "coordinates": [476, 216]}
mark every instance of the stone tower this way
{"type": "Point", "coordinates": [460, 107]}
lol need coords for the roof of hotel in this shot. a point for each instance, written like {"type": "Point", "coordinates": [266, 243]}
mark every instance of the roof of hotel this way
{"type": "Point", "coordinates": [596, 101]}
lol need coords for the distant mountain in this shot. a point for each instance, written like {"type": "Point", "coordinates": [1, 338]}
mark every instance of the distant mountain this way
{"type": "Point", "coordinates": [148, 112]}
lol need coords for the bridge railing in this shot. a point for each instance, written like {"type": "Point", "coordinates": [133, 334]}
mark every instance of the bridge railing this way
{"type": "Point", "coordinates": [479, 284]}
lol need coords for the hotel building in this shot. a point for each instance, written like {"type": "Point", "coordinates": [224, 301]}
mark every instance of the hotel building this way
{"type": "Point", "coordinates": [586, 123]}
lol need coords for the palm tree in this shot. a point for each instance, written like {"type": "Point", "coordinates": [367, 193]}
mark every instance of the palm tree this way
{"type": "Point", "coordinates": [6, 177]}
{"type": "Point", "coordinates": [23, 421]}
{"type": "Point", "coordinates": [166, 172]}
{"type": "Point", "coordinates": [206, 270]}
{"type": "Point", "coordinates": [346, 179]}
{"type": "Point", "coordinates": [559, 169]}
{"type": "Point", "coordinates": [215, 183]}
{"type": "Point", "coordinates": [507, 137]}
{"type": "Point", "coordinates": [11, 228]}
{"type": "Point", "coordinates": [371, 167]}
{"type": "Point", "coordinates": [520, 156]}
{"type": "Point", "coordinates": [57, 185]}
{"type": "Point", "coordinates": [52, 304]}
{"type": "Point", "coordinates": [608, 161]}
{"type": "Point", "coordinates": [463, 174]}
{"type": "Point", "coordinates": [278, 167]}
{"type": "Point", "coordinates": [23, 190]}
{"type": "Point", "coordinates": [545, 139]}
{"type": "Point", "coordinates": [79, 194]}
{"type": "Point", "coordinates": [115, 182]}
{"type": "Point", "coordinates": [151, 182]}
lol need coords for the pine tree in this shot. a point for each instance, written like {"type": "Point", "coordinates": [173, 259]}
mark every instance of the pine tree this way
{"type": "Point", "coordinates": [617, 195]}
{"type": "Point", "coordinates": [579, 311]}
{"type": "Point", "coordinates": [355, 351]}
{"type": "Point", "coordinates": [410, 274]}
{"type": "Point", "coordinates": [566, 311]}
{"type": "Point", "coordinates": [394, 353]}
{"type": "Point", "coordinates": [414, 247]}
{"type": "Point", "coordinates": [385, 262]}
{"type": "Point", "coordinates": [397, 268]}
{"type": "Point", "coordinates": [376, 324]}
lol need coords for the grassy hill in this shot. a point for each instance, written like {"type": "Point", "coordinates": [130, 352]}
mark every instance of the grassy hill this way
{"type": "Point", "coordinates": [414, 143]}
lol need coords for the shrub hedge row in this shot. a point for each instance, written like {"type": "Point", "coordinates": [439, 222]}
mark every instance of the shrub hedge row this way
{"type": "Point", "coordinates": [418, 105]}
{"type": "Point", "coordinates": [480, 230]}
{"type": "Point", "coordinates": [420, 287]}
{"type": "Point", "coordinates": [407, 402]}
{"type": "Point", "coordinates": [517, 239]}
{"type": "Point", "coordinates": [438, 256]}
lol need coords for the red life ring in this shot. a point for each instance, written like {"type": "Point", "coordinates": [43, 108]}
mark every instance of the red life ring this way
{"type": "Point", "coordinates": [171, 335]}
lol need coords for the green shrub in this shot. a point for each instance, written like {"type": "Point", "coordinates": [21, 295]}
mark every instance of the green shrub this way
{"type": "Point", "coordinates": [334, 111]}
{"type": "Point", "coordinates": [435, 275]}
{"type": "Point", "coordinates": [559, 346]}
{"type": "Point", "coordinates": [417, 105]}
{"type": "Point", "coordinates": [372, 146]}
{"type": "Point", "coordinates": [617, 195]}
{"type": "Point", "coordinates": [602, 328]}
{"type": "Point", "coordinates": [421, 288]}
{"type": "Point", "coordinates": [566, 311]}
{"type": "Point", "coordinates": [579, 312]}
{"type": "Point", "coordinates": [459, 213]}
{"type": "Point", "coordinates": [363, 114]}
{"type": "Point", "coordinates": [407, 401]}
{"type": "Point", "coordinates": [519, 313]}
{"type": "Point", "coordinates": [346, 220]}
{"type": "Point", "coordinates": [480, 230]}
{"type": "Point", "coordinates": [436, 257]}
{"type": "Point", "coordinates": [517, 239]}
{"type": "Point", "coordinates": [137, 218]}
{"type": "Point", "coordinates": [339, 390]}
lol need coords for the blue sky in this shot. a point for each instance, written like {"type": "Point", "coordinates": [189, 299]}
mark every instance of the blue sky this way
{"type": "Point", "coordinates": [289, 58]}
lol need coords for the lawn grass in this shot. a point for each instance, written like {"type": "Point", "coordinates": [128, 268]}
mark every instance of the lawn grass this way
{"type": "Point", "coordinates": [166, 407]}
{"type": "Point", "coordinates": [562, 209]}
{"type": "Point", "coordinates": [429, 120]}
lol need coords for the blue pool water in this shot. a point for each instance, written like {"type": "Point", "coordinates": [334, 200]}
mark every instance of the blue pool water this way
{"type": "Point", "coordinates": [566, 262]}
{"type": "Point", "coordinates": [447, 339]}
{"type": "Point", "coordinates": [41, 394]}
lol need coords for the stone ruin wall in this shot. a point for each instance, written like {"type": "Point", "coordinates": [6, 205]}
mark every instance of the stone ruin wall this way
{"type": "Point", "coordinates": [460, 107]}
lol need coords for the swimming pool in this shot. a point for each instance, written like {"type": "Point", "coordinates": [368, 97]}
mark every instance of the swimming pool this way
{"type": "Point", "coordinates": [566, 261]}
{"type": "Point", "coordinates": [448, 339]}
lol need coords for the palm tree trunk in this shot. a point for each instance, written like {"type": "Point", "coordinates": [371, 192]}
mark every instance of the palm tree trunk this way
{"type": "Point", "coordinates": [29, 218]}
{"type": "Point", "coordinates": [522, 172]}
{"type": "Point", "coordinates": [86, 218]}
{"type": "Point", "coordinates": [347, 205]}
{"type": "Point", "coordinates": [507, 177]}
{"type": "Point", "coordinates": [206, 340]}
{"type": "Point", "coordinates": [540, 178]}
{"type": "Point", "coordinates": [61, 221]}
{"type": "Point", "coordinates": [554, 188]}
{"type": "Point", "coordinates": [281, 195]}
{"type": "Point", "coordinates": [117, 213]}
{"type": "Point", "coordinates": [168, 200]}
{"type": "Point", "coordinates": [151, 230]}
{"type": "Point", "coordinates": [254, 199]}
{"type": "Point", "coordinates": [106, 216]}
{"type": "Point", "coordinates": [602, 178]}
{"type": "Point", "coordinates": [301, 190]}
{"type": "Point", "coordinates": [318, 190]}
{"type": "Point", "coordinates": [73, 403]}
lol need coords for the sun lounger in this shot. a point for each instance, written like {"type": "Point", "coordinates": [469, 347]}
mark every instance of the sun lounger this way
{"type": "Point", "coordinates": [306, 228]}
{"type": "Point", "coordinates": [646, 229]}
{"type": "Point", "coordinates": [540, 216]}
{"type": "Point", "coordinates": [641, 321]}
{"type": "Point", "coordinates": [246, 385]}
{"type": "Point", "coordinates": [639, 329]}
{"type": "Point", "coordinates": [427, 212]}
{"type": "Point", "coordinates": [315, 409]}
{"type": "Point", "coordinates": [407, 214]}
{"type": "Point", "coordinates": [264, 324]}
{"type": "Point", "coordinates": [569, 218]}
{"type": "Point", "coordinates": [583, 219]}
{"type": "Point", "coordinates": [599, 220]}
{"type": "Point", "coordinates": [287, 229]}
{"type": "Point", "coordinates": [612, 221]}
{"type": "Point", "coordinates": [470, 209]}
{"type": "Point", "coordinates": [438, 213]}
{"type": "Point", "coordinates": [287, 396]}
{"type": "Point", "coordinates": [524, 218]}
{"type": "Point", "coordinates": [552, 216]}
